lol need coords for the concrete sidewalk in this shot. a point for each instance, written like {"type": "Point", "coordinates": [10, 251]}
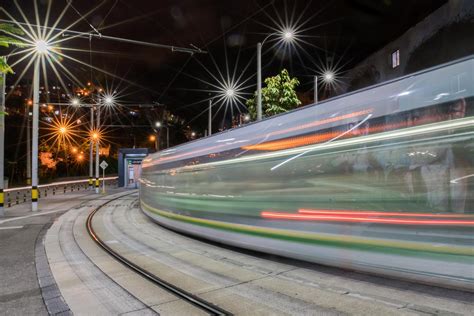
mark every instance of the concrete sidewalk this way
{"type": "Point", "coordinates": [20, 293]}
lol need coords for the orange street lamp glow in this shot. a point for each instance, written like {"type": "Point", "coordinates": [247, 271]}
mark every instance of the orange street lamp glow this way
{"type": "Point", "coordinates": [152, 138]}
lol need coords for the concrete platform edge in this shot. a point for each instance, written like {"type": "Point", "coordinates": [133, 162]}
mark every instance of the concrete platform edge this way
{"type": "Point", "coordinates": [52, 298]}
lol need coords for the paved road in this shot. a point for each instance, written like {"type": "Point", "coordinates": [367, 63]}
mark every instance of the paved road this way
{"type": "Point", "coordinates": [20, 292]}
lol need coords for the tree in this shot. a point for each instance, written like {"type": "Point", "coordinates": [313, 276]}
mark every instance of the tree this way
{"type": "Point", "coordinates": [278, 96]}
{"type": "Point", "coordinates": [5, 41]}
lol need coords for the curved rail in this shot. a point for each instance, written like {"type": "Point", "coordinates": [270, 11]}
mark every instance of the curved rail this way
{"type": "Point", "coordinates": [208, 307]}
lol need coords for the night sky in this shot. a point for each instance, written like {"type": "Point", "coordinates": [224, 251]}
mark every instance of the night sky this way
{"type": "Point", "coordinates": [335, 32]}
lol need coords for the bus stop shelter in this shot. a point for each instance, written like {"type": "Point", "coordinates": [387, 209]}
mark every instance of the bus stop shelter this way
{"type": "Point", "coordinates": [130, 166]}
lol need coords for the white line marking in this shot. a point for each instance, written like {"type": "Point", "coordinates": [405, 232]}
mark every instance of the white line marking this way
{"type": "Point", "coordinates": [11, 227]}
{"type": "Point", "coordinates": [28, 216]}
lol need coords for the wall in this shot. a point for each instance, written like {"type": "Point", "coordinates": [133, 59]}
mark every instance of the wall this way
{"type": "Point", "coordinates": [444, 35]}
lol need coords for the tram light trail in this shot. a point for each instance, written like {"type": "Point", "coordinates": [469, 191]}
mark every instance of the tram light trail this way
{"type": "Point", "coordinates": [364, 219]}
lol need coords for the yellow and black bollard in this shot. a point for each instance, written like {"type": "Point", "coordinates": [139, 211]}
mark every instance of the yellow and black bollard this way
{"type": "Point", "coordinates": [34, 194]}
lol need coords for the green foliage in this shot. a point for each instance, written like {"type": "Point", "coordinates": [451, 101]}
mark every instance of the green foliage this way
{"type": "Point", "coordinates": [6, 41]}
{"type": "Point", "coordinates": [278, 96]}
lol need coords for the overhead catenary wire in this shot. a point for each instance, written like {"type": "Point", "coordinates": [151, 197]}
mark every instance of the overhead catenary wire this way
{"type": "Point", "coordinates": [88, 35]}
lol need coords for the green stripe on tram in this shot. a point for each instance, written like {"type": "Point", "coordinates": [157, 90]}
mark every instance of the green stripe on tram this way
{"type": "Point", "coordinates": [445, 252]}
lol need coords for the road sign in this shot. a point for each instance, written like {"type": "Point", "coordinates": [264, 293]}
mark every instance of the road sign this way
{"type": "Point", "coordinates": [103, 164]}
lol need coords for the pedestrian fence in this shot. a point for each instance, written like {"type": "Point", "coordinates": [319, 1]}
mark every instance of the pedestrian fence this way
{"type": "Point", "coordinates": [14, 196]}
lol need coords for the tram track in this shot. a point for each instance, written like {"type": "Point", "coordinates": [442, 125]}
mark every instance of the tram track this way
{"type": "Point", "coordinates": [192, 299]}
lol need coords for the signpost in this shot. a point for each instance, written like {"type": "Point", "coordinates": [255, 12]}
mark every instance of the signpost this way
{"type": "Point", "coordinates": [103, 165]}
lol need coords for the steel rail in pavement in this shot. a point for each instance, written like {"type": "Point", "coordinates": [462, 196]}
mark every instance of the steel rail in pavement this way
{"type": "Point", "coordinates": [208, 307]}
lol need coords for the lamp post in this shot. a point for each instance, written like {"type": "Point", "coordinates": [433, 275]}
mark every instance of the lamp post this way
{"type": "Point", "coordinates": [91, 150]}
{"type": "Point", "coordinates": [286, 35]}
{"type": "Point", "coordinates": [327, 77]}
{"type": "Point", "coordinates": [2, 139]}
{"type": "Point", "coordinates": [315, 89]}
{"type": "Point", "coordinates": [153, 139]}
{"type": "Point", "coordinates": [158, 125]}
{"type": "Point", "coordinates": [41, 48]}
{"type": "Point", "coordinates": [35, 131]}
{"type": "Point", "coordinates": [97, 153]}
{"type": "Point", "coordinates": [209, 127]}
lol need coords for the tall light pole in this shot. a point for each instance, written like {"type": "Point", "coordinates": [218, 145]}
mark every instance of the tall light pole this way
{"type": "Point", "coordinates": [209, 126]}
{"type": "Point", "coordinates": [97, 154]}
{"type": "Point", "coordinates": [287, 35]}
{"type": "Point", "coordinates": [35, 131]}
{"type": "Point", "coordinates": [259, 81]}
{"type": "Point", "coordinates": [41, 48]}
{"type": "Point", "coordinates": [91, 150]}
{"type": "Point", "coordinates": [159, 126]}
{"type": "Point", "coordinates": [28, 144]}
{"type": "Point", "coordinates": [2, 139]}
{"type": "Point", "coordinates": [315, 89]}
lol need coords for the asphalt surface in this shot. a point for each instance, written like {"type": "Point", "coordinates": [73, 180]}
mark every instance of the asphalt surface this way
{"type": "Point", "coordinates": [20, 291]}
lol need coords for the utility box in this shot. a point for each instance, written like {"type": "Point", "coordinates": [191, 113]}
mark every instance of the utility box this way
{"type": "Point", "coordinates": [130, 166]}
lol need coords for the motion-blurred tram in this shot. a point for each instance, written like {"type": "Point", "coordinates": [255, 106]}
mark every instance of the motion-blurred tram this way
{"type": "Point", "coordinates": [380, 180]}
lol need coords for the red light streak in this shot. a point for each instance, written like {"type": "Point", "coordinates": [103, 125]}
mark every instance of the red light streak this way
{"type": "Point", "coordinates": [373, 213]}
{"type": "Point", "coordinates": [356, 219]}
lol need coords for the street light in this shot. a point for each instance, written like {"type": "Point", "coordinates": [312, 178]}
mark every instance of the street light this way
{"type": "Point", "coordinates": [209, 119]}
{"type": "Point", "coordinates": [287, 35]}
{"type": "Point", "coordinates": [153, 139]}
{"type": "Point", "coordinates": [230, 92]}
{"type": "Point", "coordinates": [109, 100]}
{"type": "Point", "coordinates": [160, 125]}
{"type": "Point", "coordinates": [41, 47]}
{"type": "Point", "coordinates": [75, 101]}
{"type": "Point", "coordinates": [328, 76]}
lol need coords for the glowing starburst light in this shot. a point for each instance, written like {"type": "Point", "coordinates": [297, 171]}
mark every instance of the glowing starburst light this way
{"type": "Point", "coordinates": [288, 35]}
{"type": "Point", "coordinates": [63, 132]}
{"type": "Point", "coordinates": [98, 135]}
{"type": "Point", "coordinates": [75, 101]}
{"type": "Point", "coordinates": [230, 92]}
{"type": "Point", "coordinates": [108, 100]}
{"type": "Point", "coordinates": [328, 76]}
{"type": "Point", "coordinates": [42, 47]}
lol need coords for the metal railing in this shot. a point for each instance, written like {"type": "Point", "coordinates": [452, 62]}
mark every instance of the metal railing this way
{"type": "Point", "coordinates": [15, 196]}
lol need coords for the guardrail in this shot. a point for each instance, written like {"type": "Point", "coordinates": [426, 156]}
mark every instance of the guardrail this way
{"type": "Point", "coordinates": [14, 196]}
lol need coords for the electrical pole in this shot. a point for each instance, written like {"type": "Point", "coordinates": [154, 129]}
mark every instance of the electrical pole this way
{"type": "Point", "coordinates": [209, 127]}
{"type": "Point", "coordinates": [91, 150]}
{"type": "Point", "coordinates": [259, 81]}
{"type": "Point", "coordinates": [97, 152]}
{"type": "Point", "coordinates": [315, 89]}
{"type": "Point", "coordinates": [3, 77]}
{"type": "Point", "coordinates": [35, 131]}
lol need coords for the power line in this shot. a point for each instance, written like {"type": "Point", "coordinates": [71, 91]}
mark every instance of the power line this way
{"type": "Point", "coordinates": [88, 35]}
